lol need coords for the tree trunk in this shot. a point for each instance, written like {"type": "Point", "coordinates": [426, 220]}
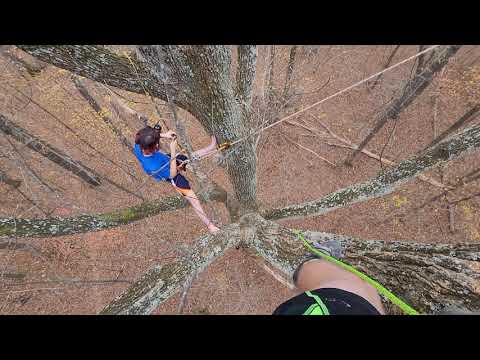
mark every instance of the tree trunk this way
{"type": "Point", "coordinates": [98, 109]}
{"type": "Point", "coordinates": [428, 276]}
{"type": "Point", "coordinates": [411, 91]}
{"type": "Point", "coordinates": [456, 146]}
{"type": "Point", "coordinates": [57, 226]}
{"type": "Point", "coordinates": [465, 119]}
{"type": "Point", "coordinates": [9, 181]}
{"type": "Point", "coordinates": [162, 281]}
{"type": "Point", "coordinates": [51, 153]}
{"type": "Point", "coordinates": [202, 75]}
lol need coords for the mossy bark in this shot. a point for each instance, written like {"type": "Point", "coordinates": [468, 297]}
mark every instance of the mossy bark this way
{"type": "Point", "coordinates": [430, 277]}
{"type": "Point", "coordinates": [385, 183]}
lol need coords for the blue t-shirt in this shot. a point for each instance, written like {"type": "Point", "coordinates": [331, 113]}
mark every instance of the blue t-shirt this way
{"type": "Point", "coordinates": [151, 164]}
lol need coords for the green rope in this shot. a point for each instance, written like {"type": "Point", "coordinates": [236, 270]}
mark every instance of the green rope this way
{"type": "Point", "coordinates": [381, 289]}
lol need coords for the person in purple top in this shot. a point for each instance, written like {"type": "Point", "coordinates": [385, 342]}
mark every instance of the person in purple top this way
{"type": "Point", "coordinates": [161, 167]}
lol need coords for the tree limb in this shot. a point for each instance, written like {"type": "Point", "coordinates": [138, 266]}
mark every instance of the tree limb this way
{"type": "Point", "coordinates": [51, 153]}
{"type": "Point", "coordinates": [162, 281]}
{"type": "Point", "coordinates": [57, 226]}
{"type": "Point", "coordinates": [98, 64]}
{"type": "Point", "coordinates": [458, 145]}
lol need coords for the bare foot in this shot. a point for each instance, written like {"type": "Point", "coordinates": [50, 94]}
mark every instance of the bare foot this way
{"type": "Point", "coordinates": [212, 228]}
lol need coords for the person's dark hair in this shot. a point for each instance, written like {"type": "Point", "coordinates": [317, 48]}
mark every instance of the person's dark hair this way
{"type": "Point", "coordinates": [148, 139]}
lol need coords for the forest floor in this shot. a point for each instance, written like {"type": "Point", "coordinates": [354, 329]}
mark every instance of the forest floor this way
{"type": "Point", "coordinates": [80, 274]}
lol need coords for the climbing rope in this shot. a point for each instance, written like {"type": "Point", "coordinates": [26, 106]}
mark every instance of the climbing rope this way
{"type": "Point", "coordinates": [380, 288]}
{"type": "Point", "coordinates": [260, 130]}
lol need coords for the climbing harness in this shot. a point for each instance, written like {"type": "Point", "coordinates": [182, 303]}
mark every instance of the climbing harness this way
{"type": "Point", "coordinates": [380, 288]}
{"type": "Point", "coordinates": [224, 146]}
{"type": "Point", "coordinates": [318, 308]}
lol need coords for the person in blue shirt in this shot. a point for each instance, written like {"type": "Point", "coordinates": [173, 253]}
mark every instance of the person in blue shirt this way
{"type": "Point", "coordinates": [163, 167]}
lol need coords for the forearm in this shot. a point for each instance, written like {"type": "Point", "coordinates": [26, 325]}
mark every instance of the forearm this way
{"type": "Point", "coordinates": [173, 164]}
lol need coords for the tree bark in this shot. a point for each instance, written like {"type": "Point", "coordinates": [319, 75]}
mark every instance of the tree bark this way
{"type": "Point", "coordinates": [99, 64]}
{"type": "Point", "coordinates": [51, 153]}
{"type": "Point", "coordinates": [57, 226]}
{"type": "Point", "coordinates": [8, 180]}
{"type": "Point", "coordinates": [465, 119]}
{"type": "Point", "coordinates": [162, 281]}
{"type": "Point", "coordinates": [428, 276]}
{"type": "Point", "coordinates": [410, 92]}
{"type": "Point", "coordinates": [456, 146]}
{"type": "Point", "coordinates": [245, 77]}
{"type": "Point", "coordinates": [98, 109]}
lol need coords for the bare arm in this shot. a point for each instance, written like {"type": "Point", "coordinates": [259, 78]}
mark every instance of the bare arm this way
{"type": "Point", "coordinates": [173, 161]}
{"type": "Point", "coordinates": [168, 135]}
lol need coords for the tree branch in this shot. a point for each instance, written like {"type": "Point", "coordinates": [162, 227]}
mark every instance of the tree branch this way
{"type": "Point", "coordinates": [51, 153]}
{"type": "Point", "coordinates": [428, 276]}
{"type": "Point", "coordinates": [97, 63]}
{"type": "Point", "coordinates": [387, 182]}
{"type": "Point", "coordinates": [162, 281]}
{"type": "Point", "coordinates": [57, 226]}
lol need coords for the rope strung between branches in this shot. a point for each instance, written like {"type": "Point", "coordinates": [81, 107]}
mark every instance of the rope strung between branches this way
{"type": "Point", "coordinates": [257, 131]}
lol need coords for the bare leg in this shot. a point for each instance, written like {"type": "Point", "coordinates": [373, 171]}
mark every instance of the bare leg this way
{"type": "Point", "coordinates": [317, 273]}
{"type": "Point", "coordinates": [206, 150]}
{"type": "Point", "coordinates": [197, 207]}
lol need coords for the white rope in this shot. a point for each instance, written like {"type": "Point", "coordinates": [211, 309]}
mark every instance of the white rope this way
{"type": "Point", "coordinates": [328, 98]}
